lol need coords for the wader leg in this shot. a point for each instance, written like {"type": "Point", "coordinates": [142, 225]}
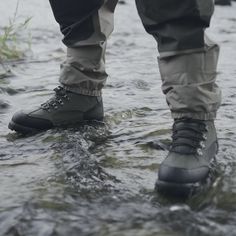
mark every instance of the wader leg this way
{"type": "Point", "coordinates": [188, 59]}
{"type": "Point", "coordinates": [86, 26]}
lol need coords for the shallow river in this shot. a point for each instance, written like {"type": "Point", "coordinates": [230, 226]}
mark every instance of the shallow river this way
{"type": "Point", "coordinates": [99, 180]}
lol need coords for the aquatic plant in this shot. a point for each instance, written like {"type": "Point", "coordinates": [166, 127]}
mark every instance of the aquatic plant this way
{"type": "Point", "coordinates": [11, 42]}
{"type": "Point", "coordinates": [10, 38]}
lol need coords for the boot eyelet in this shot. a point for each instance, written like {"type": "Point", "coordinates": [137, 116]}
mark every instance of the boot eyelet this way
{"type": "Point", "coordinates": [202, 144]}
{"type": "Point", "coordinates": [199, 152]}
{"type": "Point", "coordinates": [61, 102]}
{"type": "Point", "coordinates": [66, 97]}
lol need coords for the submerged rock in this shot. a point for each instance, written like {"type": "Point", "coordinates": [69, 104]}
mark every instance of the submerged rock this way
{"type": "Point", "coordinates": [4, 104]}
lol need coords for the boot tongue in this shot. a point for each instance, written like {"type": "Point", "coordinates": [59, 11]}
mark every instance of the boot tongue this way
{"type": "Point", "coordinates": [184, 150]}
{"type": "Point", "coordinates": [189, 124]}
{"type": "Point", "coordinates": [185, 145]}
{"type": "Point", "coordinates": [187, 135]}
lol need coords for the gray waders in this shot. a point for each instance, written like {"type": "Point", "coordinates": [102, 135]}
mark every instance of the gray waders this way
{"type": "Point", "coordinates": [187, 61]}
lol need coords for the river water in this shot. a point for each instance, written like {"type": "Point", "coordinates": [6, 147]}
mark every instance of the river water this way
{"type": "Point", "coordinates": [99, 179]}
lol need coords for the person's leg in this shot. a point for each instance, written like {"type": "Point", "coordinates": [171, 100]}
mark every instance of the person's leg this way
{"type": "Point", "coordinates": [86, 27]}
{"type": "Point", "coordinates": [187, 63]}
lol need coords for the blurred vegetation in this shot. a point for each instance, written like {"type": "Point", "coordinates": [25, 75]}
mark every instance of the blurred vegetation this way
{"type": "Point", "coordinates": [11, 41]}
{"type": "Point", "coordinates": [10, 38]}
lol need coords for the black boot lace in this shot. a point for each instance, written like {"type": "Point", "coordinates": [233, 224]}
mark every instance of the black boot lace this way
{"type": "Point", "coordinates": [58, 100]}
{"type": "Point", "coordinates": [189, 136]}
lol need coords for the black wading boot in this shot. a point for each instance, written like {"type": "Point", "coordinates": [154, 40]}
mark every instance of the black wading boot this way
{"type": "Point", "coordinates": [223, 2]}
{"type": "Point", "coordinates": [63, 109]}
{"type": "Point", "coordinates": [186, 167]}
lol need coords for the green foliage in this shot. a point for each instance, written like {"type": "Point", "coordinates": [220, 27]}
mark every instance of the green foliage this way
{"type": "Point", "coordinates": [10, 39]}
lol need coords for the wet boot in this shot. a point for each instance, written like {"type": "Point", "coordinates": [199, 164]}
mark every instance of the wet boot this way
{"type": "Point", "coordinates": [186, 167]}
{"type": "Point", "coordinates": [223, 2]}
{"type": "Point", "coordinates": [65, 108]}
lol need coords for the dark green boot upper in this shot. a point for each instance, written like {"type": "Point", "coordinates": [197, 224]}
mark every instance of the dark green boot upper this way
{"type": "Point", "coordinates": [194, 146]}
{"type": "Point", "coordinates": [63, 109]}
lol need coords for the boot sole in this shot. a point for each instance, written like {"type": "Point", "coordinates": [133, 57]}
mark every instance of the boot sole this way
{"type": "Point", "coordinates": [27, 130]}
{"type": "Point", "coordinates": [21, 129]}
{"type": "Point", "coordinates": [179, 190]}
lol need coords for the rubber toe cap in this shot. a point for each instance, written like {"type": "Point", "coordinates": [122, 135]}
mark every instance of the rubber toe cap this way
{"type": "Point", "coordinates": [181, 175]}
{"type": "Point", "coordinates": [22, 119]}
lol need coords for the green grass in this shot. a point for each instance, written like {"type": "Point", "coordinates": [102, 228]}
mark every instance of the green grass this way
{"type": "Point", "coordinates": [10, 42]}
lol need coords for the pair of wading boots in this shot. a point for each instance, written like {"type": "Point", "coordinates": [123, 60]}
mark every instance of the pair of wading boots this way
{"type": "Point", "coordinates": [194, 142]}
